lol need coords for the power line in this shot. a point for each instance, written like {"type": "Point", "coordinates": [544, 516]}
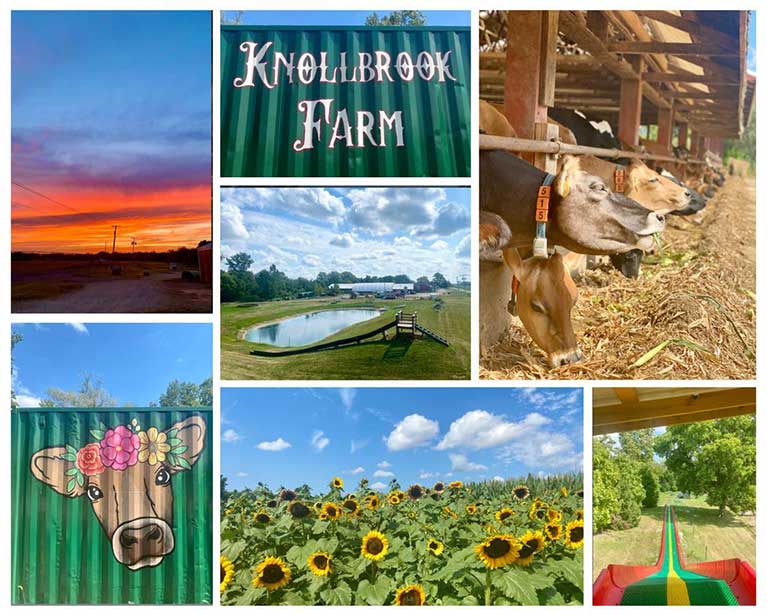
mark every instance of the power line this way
{"type": "Point", "coordinates": [24, 187]}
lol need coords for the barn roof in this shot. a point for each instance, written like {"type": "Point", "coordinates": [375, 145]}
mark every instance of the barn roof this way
{"type": "Point", "coordinates": [693, 59]}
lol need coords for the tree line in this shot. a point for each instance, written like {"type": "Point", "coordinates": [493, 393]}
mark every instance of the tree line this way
{"type": "Point", "coordinates": [715, 459]}
{"type": "Point", "coordinates": [240, 284]}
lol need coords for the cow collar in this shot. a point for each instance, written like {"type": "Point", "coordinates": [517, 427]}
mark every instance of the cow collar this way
{"type": "Point", "coordinates": [619, 179]}
{"type": "Point", "coordinates": [540, 247]}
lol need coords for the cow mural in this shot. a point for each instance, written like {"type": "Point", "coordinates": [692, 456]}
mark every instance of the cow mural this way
{"type": "Point", "coordinates": [126, 472]}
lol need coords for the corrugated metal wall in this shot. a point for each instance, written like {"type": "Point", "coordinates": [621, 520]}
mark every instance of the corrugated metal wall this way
{"type": "Point", "coordinates": [60, 553]}
{"type": "Point", "coordinates": [259, 125]}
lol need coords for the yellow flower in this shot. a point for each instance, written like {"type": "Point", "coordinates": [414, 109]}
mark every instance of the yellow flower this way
{"type": "Point", "coordinates": [450, 512]}
{"type": "Point", "coordinates": [395, 497]}
{"type": "Point", "coordinates": [331, 511]}
{"type": "Point", "coordinates": [337, 483]}
{"type": "Point", "coordinates": [410, 595]}
{"type": "Point", "coordinates": [520, 492]}
{"type": "Point", "coordinates": [373, 502]}
{"type": "Point", "coordinates": [319, 563]}
{"type": "Point", "coordinates": [415, 492]}
{"type": "Point", "coordinates": [579, 515]}
{"type": "Point", "coordinates": [262, 518]}
{"type": "Point", "coordinates": [498, 550]}
{"type": "Point", "coordinates": [563, 491]}
{"type": "Point", "coordinates": [374, 546]}
{"type": "Point", "coordinates": [532, 542]}
{"type": "Point", "coordinates": [153, 446]}
{"type": "Point", "coordinates": [553, 531]}
{"type": "Point", "coordinates": [471, 509]}
{"type": "Point", "coordinates": [351, 507]}
{"type": "Point", "coordinates": [574, 534]}
{"type": "Point", "coordinates": [438, 487]}
{"type": "Point", "coordinates": [227, 573]}
{"type": "Point", "coordinates": [554, 515]}
{"type": "Point", "coordinates": [435, 547]}
{"type": "Point", "coordinates": [272, 573]}
{"type": "Point", "coordinates": [504, 514]}
{"type": "Point", "coordinates": [455, 485]}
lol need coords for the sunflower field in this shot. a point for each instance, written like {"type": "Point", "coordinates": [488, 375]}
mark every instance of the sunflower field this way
{"type": "Point", "coordinates": [485, 543]}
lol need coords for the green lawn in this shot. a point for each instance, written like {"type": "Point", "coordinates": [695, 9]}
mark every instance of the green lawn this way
{"type": "Point", "coordinates": [703, 535]}
{"type": "Point", "coordinates": [403, 358]}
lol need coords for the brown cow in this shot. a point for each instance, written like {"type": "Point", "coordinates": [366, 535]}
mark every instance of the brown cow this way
{"type": "Point", "coordinates": [492, 121]}
{"type": "Point", "coordinates": [127, 477]}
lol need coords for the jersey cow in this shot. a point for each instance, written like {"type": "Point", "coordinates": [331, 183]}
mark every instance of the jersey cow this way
{"type": "Point", "coordinates": [127, 475]}
{"type": "Point", "coordinates": [492, 121]}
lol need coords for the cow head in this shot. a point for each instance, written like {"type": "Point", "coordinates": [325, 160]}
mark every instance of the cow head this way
{"type": "Point", "coordinates": [655, 191]}
{"type": "Point", "coordinates": [545, 298]}
{"type": "Point", "coordinates": [127, 475]}
{"type": "Point", "coordinates": [597, 220]}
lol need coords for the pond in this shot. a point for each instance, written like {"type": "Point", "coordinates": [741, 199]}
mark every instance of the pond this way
{"type": "Point", "coordinates": [308, 327]}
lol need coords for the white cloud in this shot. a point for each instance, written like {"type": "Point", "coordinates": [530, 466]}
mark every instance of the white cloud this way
{"type": "Point", "coordinates": [241, 474]}
{"type": "Point", "coordinates": [380, 211]}
{"type": "Point", "coordinates": [358, 445]}
{"type": "Point", "coordinates": [411, 432]}
{"type": "Point", "coordinates": [461, 463]}
{"type": "Point", "coordinates": [343, 240]}
{"type": "Point", "coordinates": [273, 446]}
{"type": "Point", "coordinates": [479, 429]}
{"type": "Point", "coordinates": [384, 464]}
{"type": "Point", "coordinates": [347, 397]}
{"type": "Point", "coordinates": [425, 475]}
{"type": "Point", "coordinates": [232, 222]}
{"type": "Point", "coordinates": [312, 203]}
{"type": "Point", "coordinates": [80, 328]}
{"type": "Point", "coordinates": [547, 449]}
{"type": "Point", "coordinates": [380, 473]}
{"type": "Point", "coordinates": [463, 250]}
{"type": "Point", "coordinates": [312, 260]}
{"type": "Point", "coordinates": [439, 245]}
{"type": "Point", "coordinates": [498, 478]}
{"type": "Point", "coordinates": [319, 441]}
{"type": "Point", "coordinates": [27, 400]}
{"type": "Point", "coordinates": [379, 486]}
{"type": "Point", "coordinates": [231, 436]}
{"type": "Point", "coordinates": [355, 471]}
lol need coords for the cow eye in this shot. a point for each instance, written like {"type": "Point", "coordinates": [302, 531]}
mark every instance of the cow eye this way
{"type": "Point", "coordinates": [654, 180]}
{"type": "Point", "coordinates": [94, 493]}
{"type": "Point", "coordinates": [163, 477]}
{"type": "Point", "coordinates": [537, 306]}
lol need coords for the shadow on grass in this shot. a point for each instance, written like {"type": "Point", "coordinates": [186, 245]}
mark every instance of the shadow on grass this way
{"type": "Point", "coordinates": [695, 515]}
{"type": "Point", "coordinates": [398, 348]}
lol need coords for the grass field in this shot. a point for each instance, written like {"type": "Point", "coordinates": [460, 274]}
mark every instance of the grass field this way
{"type": "Point", "coordinates": [402, 358]}
{"type": "Point", "coordinates": [704, 536]}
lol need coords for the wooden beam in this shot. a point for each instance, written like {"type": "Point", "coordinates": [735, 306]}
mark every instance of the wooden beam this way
{"type": "Point", "coordinates": [691, 27]}
{"type": "Point", "coordinates": [631, 108]}
{"type": "Point", "coordinates": [665, 127]}
{"type": "Point", "coordinates": [549, 34]}
{"type": "Point", "coordinates": [682, 135]}
{"type": "Point", "coordinates": [679, 49]}
{"type": "Point", "coordinates": [674, 77]}
{"type": "Point", "coordinates": [698, 95]}
{"type": "Point", "coordinates": [626, 395]}
{"type": "Point", "coordinates": [648, 423]}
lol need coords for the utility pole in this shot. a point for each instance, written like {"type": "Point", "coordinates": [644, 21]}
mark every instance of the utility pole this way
{"type": "Point", "coordinates": [114, 239]}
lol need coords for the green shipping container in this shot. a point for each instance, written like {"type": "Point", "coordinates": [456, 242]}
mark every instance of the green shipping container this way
{"type": "Point", "coordinates": [111, 506]}
{"type": "Point", "coordinates": [345, 101]}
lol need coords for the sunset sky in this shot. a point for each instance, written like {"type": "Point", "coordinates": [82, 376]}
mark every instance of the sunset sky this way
{"type": "Point", "coordinates": [111, 124]}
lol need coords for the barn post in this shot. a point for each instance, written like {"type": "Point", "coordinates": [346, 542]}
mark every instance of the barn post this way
{"type": "Point", "coordinates": [682, 137]}
{"type": "Point", "coordinates": [666, 127]}
{"type": "Point", "coordinates": [630, 113]}
{"type": "Point", "coordinates": [694, 142]}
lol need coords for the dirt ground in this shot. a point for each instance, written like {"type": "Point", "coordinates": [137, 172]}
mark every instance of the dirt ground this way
{"type": "Point", "coordinates": [84, 287]}
{"type": "Point", "coordinates": [690, 315]}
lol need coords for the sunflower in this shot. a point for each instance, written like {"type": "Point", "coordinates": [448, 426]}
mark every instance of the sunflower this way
{"type": "Point", "coordinates": [471, 509]}
{"type": "Point", "coordinates": [435, 547]}
{"type": "Point", "coordinates": [272, 503]}
{"type": "Point", "coordinates": [298, 510]}
{"type": "Point", "coordinates": [415, 492]}
{"type": "Point", "coordinates": [439, 487]}
{"type": "Point", "coordinates": [553, 531]}
{"type": "Point", "coordinates": [262, 518]}
{"type": "Point", "coordinates": [498, 550]}
{"type": "Point", "coordinates": [579, 515]}
{"type": "Point", "coordinates": [317, 506]}
{"type": "Point", "coordinates": [455, 485]}
{"type": "Point", "coordinates": [288, 495]}
{"type": "Point", "coordinates": [538, 510]}
{"type": "Point", "coordinates": [154, 446]}
{"type": "Point", "coordinates": [395, 497]}
{"type": "Point", "coordinates": [374, 546]}
{"type": "Point", "coordinates": [228, 511]}
{"type": "Point", "coordinates": [504, 514]}
{"type": "Point", "coordinates": [373, 502]}
{"type": "Point", "coordinates": [553, 515]}
{"type": "Point", "coordinates": [574, 534]}
{"type": "Point", "coordinates": [319, 563]}
{"type": "Point", "coordinates": [520, 492]}
{"type": "Point", "coordinates": [579, 493]}
{"type": "Point", "coordinates": [331, 511]}
{"type": "Point", "coordinates": [410, 595]}
{"type": "Point", "coordinates": [450, 512]}
{"type": "Point", "coordinates": [563, 491]}
{"type": "Point", "coordinates": [272, 574]}
{"type": "Point", "coordinates": [532, 542]}
{"type": "Point", "coordinates": [227, 572]}
{"type": "Point", "coordinates": [337, 483]}
{"type": "Point", "coordinates": [351, 507]}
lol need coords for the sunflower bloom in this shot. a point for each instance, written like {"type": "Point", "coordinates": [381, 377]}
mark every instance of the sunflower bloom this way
{"type": "Point", "coordinates": [262, 518]}
{"type": "Point", "coordinates": [337, 483]}
{"type": "Point", "coordinates": [504, 514]}
{"type": "Point", "coordinates": [299, 510]}
{"type": "Point", "coordinates": [319, 563]}
{"type": "Point", "coordinates": [435, 546]}
{"type": "Point", "coordinates": [272, 573]}
{"type": "Point", "coordinates": [532, 542]}
{"type": "Point", "coordinates": [415, 492]}
{"type": "Point", "coordinates": [331, 511]}
{"type": "Point", "coordinates": [563, 491]}
{"type": "Point", "coordinates": [374, 546]}
{"type": "Point", "coordinates": [153, 445]}
{"type": "Point", "coordinates": [455, 485]}
{"type": "Point", "coordinates": [520, 492]}
{"type": "Point", "coordinates": [439, 487]}
{"type": "Point", "coordinates": [410, 595]}
{"type": "Point", "coordinates": [471, 509]}
{"type": "Point", "coordinates": [395, 497]}
{"type": "Point", "coordinates": [373, 502]}
{"type": "Point", "coordinates": [579, 515]}
{"type": "Point", "coordinates": [227, 572]}
{"type": "Point", "coordinates": [498, 550]}
{"type": "Point", "coordinates": [574, 534]}
{"type": "Point", "coordinates": [351, 507]}
{"type": "Point", "coordinates": [554, 515]}
{"type": "Point", "coordinates": [288, 495]}
{"type": "Point", "coordinates": [553, 531]}
{"type": "Point", "coordinates": [450, 512]}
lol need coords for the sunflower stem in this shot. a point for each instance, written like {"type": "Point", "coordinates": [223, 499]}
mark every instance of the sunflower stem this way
{"type": "Point", "coordinates": [488, 588]}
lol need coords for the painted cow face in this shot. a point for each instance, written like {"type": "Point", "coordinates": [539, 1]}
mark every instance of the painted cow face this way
{"type": "Point", "coordinates": [127, 475]}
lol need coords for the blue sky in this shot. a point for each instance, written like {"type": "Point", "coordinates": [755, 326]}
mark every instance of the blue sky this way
{"type": "Point", "coordinates": [340, 18]}
{"type": "Point", "coordinates": [751, 57]}
{"type": "Point", "coordinates": [290, 436]}
{"type": "Point", "coordinates": [368, 231]}
{"type": "Point", "coordinates": [135, 362]}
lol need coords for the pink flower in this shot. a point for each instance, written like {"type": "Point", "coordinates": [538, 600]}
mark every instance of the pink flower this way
{"type": "Point", "coordinates": [119, 448]}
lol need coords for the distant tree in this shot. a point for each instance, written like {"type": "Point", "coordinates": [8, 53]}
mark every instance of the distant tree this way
{"type": "Point", "coordinates": [439, 280]}
{"type": "Point", "coordinates": [239, 263]}
{"type": "Point", "coordinates": [231, 18]}
{"type": "Point", "coordinates": [422, 284]}
{"type": "Point", "coordinates": [91, 393]}
{"type": "Point", "coordinates": [650, 484]}
{"type": "Point", "coordinates": [743, 148]}
{"type": "Point", "coordinates": [638, 445]}
{"type": "Point", "coordinates": [397, 18]}
{"type": "Point", "coordinates": [15, 339]}
{"type": "Point", "coordinates": [187, 394]}
{"type": "Point", "coordinates": [223, 488]}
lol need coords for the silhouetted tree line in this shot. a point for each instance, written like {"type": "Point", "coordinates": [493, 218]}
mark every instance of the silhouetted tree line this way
{"type": "Point", "coordinates": [182, 255]}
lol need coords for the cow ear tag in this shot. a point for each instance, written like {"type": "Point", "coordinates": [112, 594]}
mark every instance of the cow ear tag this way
{"type": "Point", "coordinates": [565, 188]}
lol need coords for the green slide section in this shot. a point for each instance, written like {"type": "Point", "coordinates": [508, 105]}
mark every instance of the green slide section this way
{"type": "Point", "coordinates": [672, 584]}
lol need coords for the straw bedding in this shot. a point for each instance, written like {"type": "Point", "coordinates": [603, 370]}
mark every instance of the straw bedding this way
{"type": "Point", "coordinates": [690, 315]}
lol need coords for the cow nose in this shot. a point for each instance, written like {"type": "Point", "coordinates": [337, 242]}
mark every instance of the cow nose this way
{"type": "Point", "coordinates": [660, 217]}
{"type": "Point", "coordinates": [144, 535]}
{"type": "Point", "coordinates": [688, 194]}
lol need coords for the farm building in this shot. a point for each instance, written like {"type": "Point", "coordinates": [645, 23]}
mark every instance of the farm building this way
{"type": "Point", "coordinates": [379, 287]}
{"type": "Point", "coordinates": [660, 90]}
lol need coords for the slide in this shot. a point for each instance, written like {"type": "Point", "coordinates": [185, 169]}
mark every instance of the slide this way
{"type": "Point", "coordinates": [671, 582]}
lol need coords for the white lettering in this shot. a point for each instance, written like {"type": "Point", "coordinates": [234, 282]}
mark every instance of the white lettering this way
{"type": "Point", "coordinates": [383, 62]}
{"type": "Point", "coordinates": [254, 62]}
{"type": "Point", "coordinates": [443, 66]}
{"type": "Point", "coordinates": [310, 125]}
{"type": "Point", "coordinates": [307, 68]}
{"type": "Point", "coordinates": [405, 66]}
{"type": "Point", "coordinates": [394, 121]}
{"type": "Point", "coordinates": [365, 120]}
{"type": "Point", "coordinates": [425, 65]}
{"type": "Point", "coordinates": [342, 120]}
